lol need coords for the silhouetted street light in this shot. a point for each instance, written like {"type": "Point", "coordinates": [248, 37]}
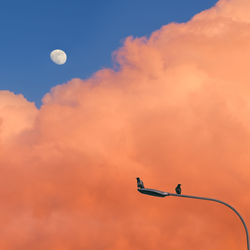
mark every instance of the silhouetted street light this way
{"type": "Point", "coordinates": [158, 193]}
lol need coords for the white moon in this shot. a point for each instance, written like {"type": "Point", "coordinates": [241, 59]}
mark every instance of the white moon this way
{"type": "Point", "coordinates": [58, 56]}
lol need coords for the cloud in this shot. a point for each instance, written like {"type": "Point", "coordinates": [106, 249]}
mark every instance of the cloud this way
{"type": "Point", "coordinates": [176, 111]}
{"type": "Point", "coordinates": [16, 114]}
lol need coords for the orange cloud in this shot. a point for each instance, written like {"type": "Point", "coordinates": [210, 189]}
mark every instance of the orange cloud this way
{"type": "Point", "coordinates": [176, 111]}
{"type": "Point", "coordinates": [16, 114]}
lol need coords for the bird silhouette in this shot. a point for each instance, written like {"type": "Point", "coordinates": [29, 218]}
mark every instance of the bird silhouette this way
{"type": "Point", "coordinates": [178, 189]}
{"type": "Point", "coordinates": [139, 183]}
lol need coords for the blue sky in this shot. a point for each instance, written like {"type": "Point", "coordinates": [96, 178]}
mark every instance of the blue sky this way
{"type": "Point", "coordinates": [88, 31]}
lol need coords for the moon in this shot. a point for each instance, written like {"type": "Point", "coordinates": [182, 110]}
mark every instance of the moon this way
{"type": "Point", "coordinates": [58, 56]}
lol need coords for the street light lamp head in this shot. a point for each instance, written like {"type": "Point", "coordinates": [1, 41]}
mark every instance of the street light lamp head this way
{"type": "Point", "coordinates": [149, 191]}
{"type": "Point", "coordinates": [153, 192]}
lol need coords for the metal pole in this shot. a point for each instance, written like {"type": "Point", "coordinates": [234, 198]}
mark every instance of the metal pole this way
{"type": "Point", "coordinates": [224, 203]}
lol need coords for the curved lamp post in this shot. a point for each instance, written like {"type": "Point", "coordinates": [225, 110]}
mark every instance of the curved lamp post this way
{"type": "Point", "coordinates": [158, 193]}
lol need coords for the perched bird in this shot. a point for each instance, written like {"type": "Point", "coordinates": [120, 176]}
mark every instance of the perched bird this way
{"type": "Point", "coordinates": [139, 183]}
{"type": "Point", "coordinates": [178, 189]}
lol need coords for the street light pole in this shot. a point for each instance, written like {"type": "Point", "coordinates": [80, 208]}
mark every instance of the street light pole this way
{"type": "Point", "coordinates": [154, 192]}
{"type": "Point", "coordinates": [224, 203]}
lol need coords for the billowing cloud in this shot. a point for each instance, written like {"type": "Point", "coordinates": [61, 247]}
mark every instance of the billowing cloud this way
{"type": "Point", "coordinates": [176, 110]}
{"type": "Point", "coordinates": [16, 114]}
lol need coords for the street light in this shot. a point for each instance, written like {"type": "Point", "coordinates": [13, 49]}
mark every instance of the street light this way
{"type": "Point", "coordinates": [158, 193]}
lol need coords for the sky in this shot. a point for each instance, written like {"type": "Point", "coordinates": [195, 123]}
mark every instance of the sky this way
{"type": "Point", "coordinates": [169, 104]}
{"type": "Point", "coordinates": [89, 31]}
